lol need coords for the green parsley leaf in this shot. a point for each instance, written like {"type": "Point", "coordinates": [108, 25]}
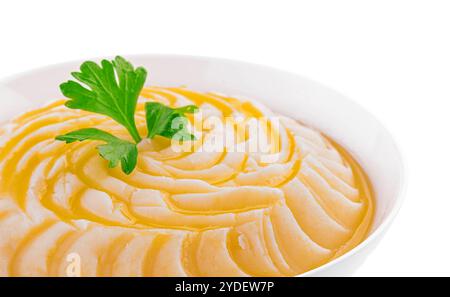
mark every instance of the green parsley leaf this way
{"type": "Point", "coordinates": [115, 150]}
{"type": "Point", "coordinates": [167, 122]}
{"type": "Point", "coordinates": [114, 91]}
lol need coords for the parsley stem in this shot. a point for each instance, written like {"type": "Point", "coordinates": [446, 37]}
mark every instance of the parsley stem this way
{"type": "Point", "coordinates": [135, 134]}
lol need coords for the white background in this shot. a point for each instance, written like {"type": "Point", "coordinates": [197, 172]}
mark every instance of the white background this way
{"type": "Point", "coordinates": [393, 57]}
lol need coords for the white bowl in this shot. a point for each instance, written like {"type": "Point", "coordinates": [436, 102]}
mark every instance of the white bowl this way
{"type": "Point", "coordinates": [345, 121]}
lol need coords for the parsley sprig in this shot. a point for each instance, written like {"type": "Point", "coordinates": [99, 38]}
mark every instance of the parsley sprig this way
{"type": "Point", "coordinates": [112, 89]}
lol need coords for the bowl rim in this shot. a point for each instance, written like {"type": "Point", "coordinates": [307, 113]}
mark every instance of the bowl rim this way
{"type": "Point", "coordinates": [399, 198]}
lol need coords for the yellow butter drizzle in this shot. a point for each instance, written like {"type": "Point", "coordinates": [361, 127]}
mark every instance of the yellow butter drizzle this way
{"type": "Point", "coordinates": [16, 183]}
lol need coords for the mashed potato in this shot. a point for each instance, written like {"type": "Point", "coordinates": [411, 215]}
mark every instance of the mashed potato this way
{"type": "Point", "coordinates": [209, 209]}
